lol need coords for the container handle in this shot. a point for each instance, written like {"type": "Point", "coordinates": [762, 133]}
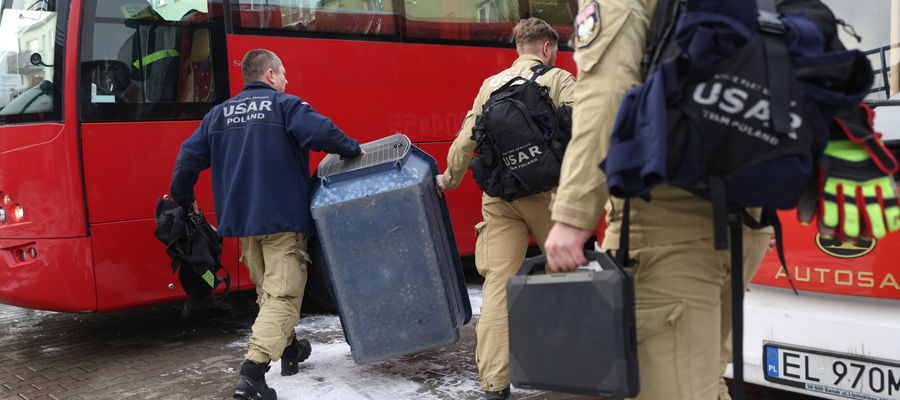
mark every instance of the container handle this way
{"type": "Point", "coordinates": [529, 263]}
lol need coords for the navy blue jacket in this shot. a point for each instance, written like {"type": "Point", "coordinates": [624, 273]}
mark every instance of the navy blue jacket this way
{"type": "Point", "coordinates": [257, 144]}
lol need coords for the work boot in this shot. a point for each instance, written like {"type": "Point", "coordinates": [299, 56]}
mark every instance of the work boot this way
{"type": "Point", "coordinates": [295, 353]}
{"type": "Point", "coordinates": [502, 394]}
{"type": "Point", "coordinates": [252, 383]}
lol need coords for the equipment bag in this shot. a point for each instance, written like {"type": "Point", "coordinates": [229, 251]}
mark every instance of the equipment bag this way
{"type": "Point", "coordinates": [195, 248]}
{"type": "Point", "coordinates": [741, 114]}
{"type": "Point", "coordinates": [521, 138]}
{"type": "Point", "coordinates": [574, 333]}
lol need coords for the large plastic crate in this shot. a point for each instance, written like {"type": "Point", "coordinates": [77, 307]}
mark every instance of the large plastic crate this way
{"type": "Point", "coordinates": [389, 251]}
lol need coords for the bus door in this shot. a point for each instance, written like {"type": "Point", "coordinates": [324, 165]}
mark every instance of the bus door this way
{"type": "Point", "coordinates": [149, 71]}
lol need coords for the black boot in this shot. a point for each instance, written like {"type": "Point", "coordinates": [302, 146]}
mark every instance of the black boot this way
{"type": "Point", "coordinates": [295, 353]}
{"type": "Point", "coordinates": [252, 383]}
{"type": "Point", "coordinates": [502, 394]}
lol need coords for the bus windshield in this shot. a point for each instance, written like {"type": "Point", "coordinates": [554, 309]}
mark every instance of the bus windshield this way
{"type": "Point", "coordinates": [27, 47]}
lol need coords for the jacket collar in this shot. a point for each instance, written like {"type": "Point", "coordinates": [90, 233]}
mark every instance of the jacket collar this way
{"type": "Point", "coordinates": [258, 85]}
{"type": "Point", "coordinates": [530, 59]}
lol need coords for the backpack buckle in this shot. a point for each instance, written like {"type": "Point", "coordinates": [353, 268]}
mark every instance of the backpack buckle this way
{"type": "Point", "coordinates": [770, 22]}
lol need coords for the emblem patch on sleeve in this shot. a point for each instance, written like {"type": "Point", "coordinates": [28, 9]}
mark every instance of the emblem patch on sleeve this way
{"type": "Point", "coordinates": [587, 25]}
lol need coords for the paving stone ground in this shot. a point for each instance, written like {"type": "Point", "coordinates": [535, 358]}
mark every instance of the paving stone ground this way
{"type": "Point", "coordinates": [152, 353]}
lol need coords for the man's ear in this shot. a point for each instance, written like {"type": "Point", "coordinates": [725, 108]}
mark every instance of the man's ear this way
{"type": "Point", "coordinates": [546, 50]}
{"type": "Point", "coordinates": [269, 75]}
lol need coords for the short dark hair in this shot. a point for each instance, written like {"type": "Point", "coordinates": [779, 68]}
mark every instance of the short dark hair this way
{"type": "Point", "coordinates": [256, 62]}
{"type": "Point", "coordinates": [534, 31]}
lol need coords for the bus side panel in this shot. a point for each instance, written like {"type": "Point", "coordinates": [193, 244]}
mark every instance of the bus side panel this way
{"type": "Point", "coordinates": [374, 89]}
{"type": "Point", "coordinates": [817, 264]}
{"type": "Point", "coordinates": [127, 166]}
{"type": "Point", "coordinates": [132, 273]}
{"type": "Point", "coordinates": [59, 278]}
{"type": "Point", "coordinates": [39, 170]}
{"type": "Point", "coordinates": [423, 91]}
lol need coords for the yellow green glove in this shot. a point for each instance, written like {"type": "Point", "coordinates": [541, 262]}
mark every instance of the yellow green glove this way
{"type": "Point", "coordinates": [857, 196]}
{"type": "Point", "coordinates": [859, 200]}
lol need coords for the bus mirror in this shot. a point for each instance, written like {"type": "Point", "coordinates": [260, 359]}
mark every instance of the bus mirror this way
{"type": "Point", "coordinates": [36, 59]}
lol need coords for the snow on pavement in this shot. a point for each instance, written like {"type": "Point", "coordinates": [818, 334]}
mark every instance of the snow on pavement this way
{"type": "Point", "coordinates": [330, 373]}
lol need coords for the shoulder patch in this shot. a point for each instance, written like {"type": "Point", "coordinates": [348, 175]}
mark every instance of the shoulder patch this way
{"type": "Point", "coordinates": [587, 25]}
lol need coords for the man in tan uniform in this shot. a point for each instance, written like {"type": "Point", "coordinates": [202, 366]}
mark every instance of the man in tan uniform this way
{"type": "Point", "coordinates": [681, 283]}
{"type": "Point", "coordinates": [504, 234]}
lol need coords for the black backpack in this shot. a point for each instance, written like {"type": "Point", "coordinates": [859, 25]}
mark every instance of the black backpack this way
{"type": "Point", "coordinates": [521, 138]}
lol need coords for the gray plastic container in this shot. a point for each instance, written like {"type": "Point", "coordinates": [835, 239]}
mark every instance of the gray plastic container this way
{"type": "Point", "coordinates": [389, 251]}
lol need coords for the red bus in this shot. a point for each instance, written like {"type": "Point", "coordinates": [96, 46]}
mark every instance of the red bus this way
{"type": "Point", "coordinates": [97, 96]}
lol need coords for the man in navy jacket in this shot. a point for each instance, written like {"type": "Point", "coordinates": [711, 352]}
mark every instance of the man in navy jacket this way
{"type": "Point", "coordinates": [257, 144]}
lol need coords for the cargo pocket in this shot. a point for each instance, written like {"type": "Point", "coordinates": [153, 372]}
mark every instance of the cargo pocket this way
{"type": "Point", "coordinates": [480, 246]}
{"type": "Point", "coordinates": [662, 346]}
{"type": "Point", "coordinates": [297, 251]}
{"type": "Point", "coordinates": [301, 255]}
{"type": "Point", "coordinates": [655, 319]}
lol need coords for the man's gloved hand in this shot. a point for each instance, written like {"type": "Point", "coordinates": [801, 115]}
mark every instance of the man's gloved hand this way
{"type": "Point", "coordinates": [857, 196]}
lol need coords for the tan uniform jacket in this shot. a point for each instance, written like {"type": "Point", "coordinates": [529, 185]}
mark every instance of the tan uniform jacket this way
{"type": "Point", "coordinates": [607, 67]}
{"type": "Point", "coordinates": [560, 82]}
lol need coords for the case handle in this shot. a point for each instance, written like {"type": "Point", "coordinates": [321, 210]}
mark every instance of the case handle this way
{"type": "Point", "coordinates": [529, 263]}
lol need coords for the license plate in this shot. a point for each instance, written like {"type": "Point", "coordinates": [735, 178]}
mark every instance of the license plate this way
{"type": "Point", "coordinates": [837, 374]}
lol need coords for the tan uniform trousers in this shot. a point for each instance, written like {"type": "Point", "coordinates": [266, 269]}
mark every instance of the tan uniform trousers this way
{"type": "Point", "coordinates": [683, 309]}
{"type": "Point", "coordinates": [277, 263]}
{"type": "Point", "coordinates": [503, 238]}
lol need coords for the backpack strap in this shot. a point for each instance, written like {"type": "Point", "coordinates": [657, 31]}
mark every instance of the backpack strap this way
{"type": "Point", "coordinates": [666, 18]}
{"type": "Point", "coordinates": [734, 218]}
{"type": "Point", "coordinates": [624, 232]}
{"type": "Point", "coordinates": [736, 225]}
{"type": "Point", "coordinates": [536, 70]}
{"type": "Point", "coordinates": [506, 85]}
{"type": "Point", "coordinates": [778, 73]}
{"type": "Point", "coordinates": [539, 70]}
{"type": "Point", "coordinates": [719, 199]}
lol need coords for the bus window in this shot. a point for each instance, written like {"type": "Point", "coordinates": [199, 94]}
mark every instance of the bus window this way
{"type": "Point", "coordinates": [490, 21]}
{"type": "Point", "coordinates": [27, 62]}
{"type": "Point", "coordinates": [355, 17]}
{"type": "Point", "coordinates": [151, 60]}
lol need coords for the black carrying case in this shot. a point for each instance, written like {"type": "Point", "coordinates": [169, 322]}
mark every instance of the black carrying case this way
{"type": "Point", "coordinates": [575, 332]}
